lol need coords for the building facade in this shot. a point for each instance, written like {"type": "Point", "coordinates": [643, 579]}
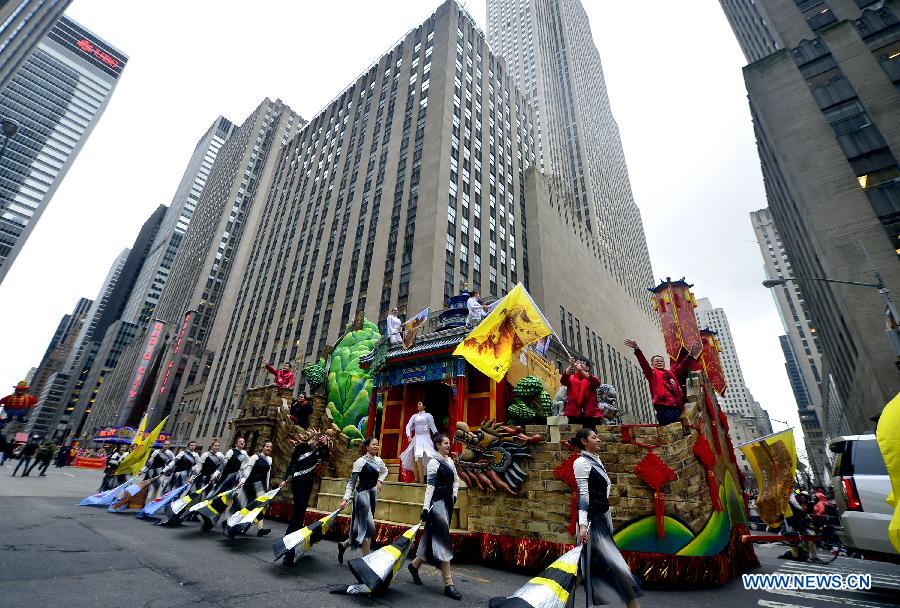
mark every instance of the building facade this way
{"type": "Point", "coordinates": [60, 344]}
{"type": "Point", "coordinates": [172, 351]}
{"type": "Point", "coordinates": [826, 114]}
{"type": "Point", "coordinates": [800, 344]}
{"type": "Point", "coordinates": [88, 350]}
{"type": "Point", "coordinates": [23, 24]}
{"type": "Point", "coordinates": [41, 421]}
{"type": "Point", "coordinates": [551, 57]}
{"type": "Point", "coordinates": [149, 285]}
{"type": "Point", "coordinates": [56, 98]}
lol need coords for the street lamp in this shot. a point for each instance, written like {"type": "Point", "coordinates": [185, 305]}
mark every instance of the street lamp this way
{"type": "Point", "coordinates": [893, 320]}
{"type": "Point", "coordinates": [9, 130]}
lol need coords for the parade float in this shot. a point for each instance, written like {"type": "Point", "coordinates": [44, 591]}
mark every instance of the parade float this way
{"type": "Point", "coordinates": [678, 507]}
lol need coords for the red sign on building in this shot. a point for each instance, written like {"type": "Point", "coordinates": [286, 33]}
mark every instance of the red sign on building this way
{"type": "Point", "coordinates": [154, 333]}
{"type": "Point", "coordinates": [92, 49]}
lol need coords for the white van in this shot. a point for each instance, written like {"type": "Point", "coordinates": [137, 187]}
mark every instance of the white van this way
{"type": "Point", "coordinates": [861, 485]}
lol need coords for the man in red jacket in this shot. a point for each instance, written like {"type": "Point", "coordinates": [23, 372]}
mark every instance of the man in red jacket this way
{"type": "Point", "coordinates": [665, 384]}
{"type": "Point", "coordinates": [284, 377]}
{"type": "Point", "coordinates": [581, 390]}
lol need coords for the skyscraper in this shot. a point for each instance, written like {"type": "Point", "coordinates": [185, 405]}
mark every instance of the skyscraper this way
{"type": "Point", "coordinates": [800, 345]}
{"type": "Point", "coordinates": [58, 349]}
{"type": "Point", "coordinates": [92, 347]}
{"type": "Point", "coordinates": [737, 400]}
{"type": "Point", "coordinates": [56, 97]}
{"type": "Point", "coordinates": [149, 285]}
{"type": "Point", "coordinates": [23, 23]}
{"type": "Point", "coordinates": [551, 57]}
{"type": "Point", "coordinates": [826, 119]}
{"type": "Point", "coordinates": [159, 242]}
{"type": "Point", "coordinates": [746, 419]}
{"type": "Point", "coordinates": [411, 183]}
{"type": "Point", "coordinates": [171, 351]}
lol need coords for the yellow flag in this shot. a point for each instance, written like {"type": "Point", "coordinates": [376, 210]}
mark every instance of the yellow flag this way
{"type": "Point", "coordinates": [514, 323]}
{"type": "Point", "coordinates": [888, 437]}
{"type": "Point", "coordinates": [135, 460]}
{"type": "Point", "coordinates": [774, 462]}
{"type": "Point", "coordinates": [138, 438]}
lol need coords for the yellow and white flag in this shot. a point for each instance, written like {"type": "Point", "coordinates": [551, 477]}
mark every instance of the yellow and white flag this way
{"type": "Point", "coordinates": [135, 460]}
{"type": "Point", "coordinates": [513, 324]}
{"type": "Point", "coordinates": [774, 462]}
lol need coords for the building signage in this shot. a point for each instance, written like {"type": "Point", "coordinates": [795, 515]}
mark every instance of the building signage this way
{"type": "Point", "coordinates": [92, 49]}
{"type": "Point", "coordinates": [184, 324]}
{"type": "Point", "coordinates": [154, 333]}
{"type": "Point", "coordinates": [414, 374]}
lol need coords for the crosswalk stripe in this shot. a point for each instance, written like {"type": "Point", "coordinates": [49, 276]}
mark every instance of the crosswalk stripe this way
{"type": "Point", "coordinates": [771, 604]}
{"type": "Point", "coordinates": [841, 567]}
{"type": "Point", "coordinates": [849, 601]}
{"type": "Point", "coordinates": [881, 580]}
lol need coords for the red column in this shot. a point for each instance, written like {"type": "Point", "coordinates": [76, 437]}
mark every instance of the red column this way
{"type": "Point", "coordinates": [370, 423]}
{"type": "Point", "coordinates": [456, 411]}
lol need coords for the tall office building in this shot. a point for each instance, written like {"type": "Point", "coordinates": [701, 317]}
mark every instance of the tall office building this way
{"type": "Point", "coordinates": [737, 399]}
{"type": "Point", "coordinates": [410, 183]}
{"type": "Point", "coordinates": [800, 345]}
{"type": "Point", "coordinates": [826, 115]}
{"type": "Point", "coordinates": [149, 285]}
{"type": "Point", "coordinates": [42, 420]}
{"type": "Point", "coordinates": [172, 351]}
{"type": "Point", "coordinates": [551, 57]}
{"type": "Point", "coordinates": [23, 24]}
{"type": "Point", "coordinates": [94, 348]}
{"type": "Point", "coordinates": [746, 419]}
{"type": "Point", "coordinates": [60, 344]}
{"type": "Point", "coordinates": [56, 97]}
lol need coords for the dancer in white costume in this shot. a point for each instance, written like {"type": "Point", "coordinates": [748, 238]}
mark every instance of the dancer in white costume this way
{"type": "Point", "coordinates": [420, 429]}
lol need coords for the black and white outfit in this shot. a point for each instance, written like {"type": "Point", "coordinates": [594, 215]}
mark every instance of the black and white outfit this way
{"type": "Point", "coordinates": [255, 476]}
{"type": "Point", "coordinates": [205, 468]}
{"type": "Point", "coordinates": [440, 496]}
{"type": "Point", "coordinates": [799, 523]}
{"type": "Point", "coordinates": [180, 469]}
{"type": "Point", "coordinates": [368, 470]}
{"type": "Point", "coordinates": [158, 460]}
{"type": "Point", "coordinates": [607, 579]}
{"type": "Point", "coordinates": [226, 477]}
{"type": "Point", "coordinates": [302, 472]}
{"type": "Point", "coordinates": [110, 481]}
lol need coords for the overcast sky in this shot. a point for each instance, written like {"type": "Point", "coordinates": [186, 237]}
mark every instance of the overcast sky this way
{"type": "Point", "coordinates": [673, 70]}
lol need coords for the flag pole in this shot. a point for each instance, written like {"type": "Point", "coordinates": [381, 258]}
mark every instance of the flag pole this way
{"type": "Point", "coordinates": [758, 439]}
{"type": "Point", "coordinates": [546, 322]}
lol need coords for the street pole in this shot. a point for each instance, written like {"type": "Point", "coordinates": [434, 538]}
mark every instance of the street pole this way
{"type": "Point", "coordinates": [893, 322]}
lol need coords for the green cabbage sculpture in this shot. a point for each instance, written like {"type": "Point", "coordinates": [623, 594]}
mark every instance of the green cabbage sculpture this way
{"type": "Point", "coordinates": [349, 386]}
{"type": "Point", "coordinates": [315, 373]}
{"type": "Point", "coordinates": [530, 400]}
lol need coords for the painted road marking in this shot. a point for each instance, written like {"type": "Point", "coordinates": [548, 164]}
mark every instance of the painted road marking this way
{"type": "Point", "coordinates": [771, 604]}
{"type": "Point", "coordinates": [850, 601]}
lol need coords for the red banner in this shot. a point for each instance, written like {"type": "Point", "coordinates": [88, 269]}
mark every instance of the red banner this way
{"type": "Point", "coordinates": [674, 303]}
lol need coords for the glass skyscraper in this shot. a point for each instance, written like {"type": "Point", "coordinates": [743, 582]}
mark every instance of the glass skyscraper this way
{"type": "Point", "coordinates": [56, 97]}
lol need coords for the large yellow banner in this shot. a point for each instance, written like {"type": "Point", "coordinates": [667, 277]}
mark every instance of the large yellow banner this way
{"type": "Point", "coordinates": [888, 437]}
{"type": "Point", "coordinates": [774, 462]}
{"type": "Point", "coordinates": [515, 323]}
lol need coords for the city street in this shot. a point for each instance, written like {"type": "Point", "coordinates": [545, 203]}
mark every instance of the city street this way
{"type": "Point", "coordinates": [54, 552]}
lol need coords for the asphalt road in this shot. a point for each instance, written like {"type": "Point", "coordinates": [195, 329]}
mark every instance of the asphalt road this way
{"type": "Point", "coordinates": [54, 553]}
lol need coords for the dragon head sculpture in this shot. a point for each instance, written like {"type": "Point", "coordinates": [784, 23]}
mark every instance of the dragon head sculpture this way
{"type": "Point", "coordinates": [492, 456]}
